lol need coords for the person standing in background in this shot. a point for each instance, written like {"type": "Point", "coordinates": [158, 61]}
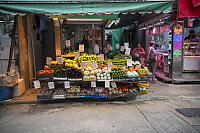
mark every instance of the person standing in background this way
{"type": "Point", "coordinates": [139, 54]}
{"type": "Point", "coordinates": [152, 59]}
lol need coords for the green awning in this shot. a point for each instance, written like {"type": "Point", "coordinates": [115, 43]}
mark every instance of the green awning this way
{"type": "Point", "coordinates": [65, 6]}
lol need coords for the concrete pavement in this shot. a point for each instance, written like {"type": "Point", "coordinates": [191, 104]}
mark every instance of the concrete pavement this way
{"type": "Point", "coordinates": [150, 113]}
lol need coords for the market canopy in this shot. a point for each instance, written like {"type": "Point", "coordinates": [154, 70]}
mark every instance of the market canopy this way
{"type": "Point", "coordinates": [57, 7]}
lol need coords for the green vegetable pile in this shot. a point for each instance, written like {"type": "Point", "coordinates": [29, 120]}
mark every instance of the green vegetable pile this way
{"type": "Point", "coordinates": [118, 73]}
{"type": "Point", "coordinates": [61, 73]}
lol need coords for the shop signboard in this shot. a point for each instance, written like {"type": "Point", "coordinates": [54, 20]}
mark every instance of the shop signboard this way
{"type": "Point", "coordinates": [177, 42]}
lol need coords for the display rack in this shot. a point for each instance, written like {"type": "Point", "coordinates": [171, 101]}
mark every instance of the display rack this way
{"type": "Point", "coordinates": [53, 94]}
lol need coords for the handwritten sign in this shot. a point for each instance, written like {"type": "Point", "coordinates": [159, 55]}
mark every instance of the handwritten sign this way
{"type": "Point", "coordinates": [109, 64]}
{"type": "Point", "coordinates": [60, 60]}
{"type": "Point", "coordinates": [83, 65]}
{"type": "Point", "coordinates": [36, 84]}
{"type": "Point", "coordinates": [122, 48]}
{"type": "Point", "coordinates": [117, 46]}
{"type": "Point", "coordinates": [51, 85]}
{"type": "Point", "coordinates": [77, 55]}
{"type": "Point", "coordinates": [94, 65]}
{"type": "Point", "coordinates": [126, 45]}
{"type": "Point", "coordinates": [127, 52]}
{"type": "Point", "coordinates": [81, 47]}
{"type": "Point", "coordinates": [129, 62]}
{"type": "Point", "coordinates": [67, 43]}
{"type": "Point", "coordinates": [113, 84]}
{"type": "Point", "coordinates": [101, 57]}
{"type": "Point", "coordinates": [48, 60]}
{"type": "Point", "coordinates": [66, 84]}
{"type": "Point", "coordinates": [93, 83]}
{"type": "Point", "coordinates": [107, 84]}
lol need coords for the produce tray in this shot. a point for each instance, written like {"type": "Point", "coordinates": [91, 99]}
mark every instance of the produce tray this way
{"type": "Point", "coordinates": [89, 79]}
{"type": "Point", "coordinates": [59, 97]}
{"type": "Point", "coordinates": [58, 78]}
{"type": "Point", "coordinates": [75, 79]}
{"type": "Point", "coordinates": [104, 80]}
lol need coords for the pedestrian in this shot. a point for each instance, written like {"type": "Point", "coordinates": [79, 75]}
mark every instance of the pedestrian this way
{"type": "Point", "coordinates": [139, 54]}
{"type": "Point", "coordinates": [151, 58]}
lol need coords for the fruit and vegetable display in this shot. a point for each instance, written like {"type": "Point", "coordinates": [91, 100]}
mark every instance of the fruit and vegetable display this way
{"type": "Point", "coordinates": [74, 73]}
{"type": "Point", "coordinates": [89, 73]}
{"type": "Point", "coordinates": [86, 57]}
{"type": "Point", "coordinates": [118, 73]}
{"type": "Point", "coordinates": [87, 81]}
{"type": "Point", "coordinates": [71, 63]}
{"type": "Point", "coordinates": [103, 74]}
{"type": "Point", "coordinates": [62, 73]}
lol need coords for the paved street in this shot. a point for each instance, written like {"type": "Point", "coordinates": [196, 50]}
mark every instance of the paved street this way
{"type": "Point", "coordinates": [150, 113]}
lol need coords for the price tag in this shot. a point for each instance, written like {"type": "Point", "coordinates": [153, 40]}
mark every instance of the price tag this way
{"type": "Point", "coordinates": [126, 45]}
{"type": "Point", "coordinates": [117, 46]}
{"type": "Point", "coordinates": [127, 52]}
{"type": "Point", "coordinates": [48, 60]}
{"type": "Point", "coordinates": [88, 63]}
{"type": "Point", "coordinates": [66, 84]}
{"type": "Point", "coordinates": [107, 84]}
{"type": "Point", "coordinates": [60, 60]}
{"type": "Point", "coordinates": [129, 62]}
{"type": "Point", "coordinates": [122, 48]}
{"type": "Point", "coordinates": [109, 64]}
{"type": "Point", "coordinates": [83, 65]}
{"type": "Point", "coordinates": [36, 84]}
{"type": "Point", "coordinates": [81, 47]}
{"type": "Point", "coordinates": [113, 84]}
{"type": "Point", "coordinates": [51, 85]}
{"type": "Point", "coordinates": [94, 65]}
{"type": "Point", "coordinates": [101, 57]}
{"type": "Point", "coordinates": [67, 43]}
{"type": "Point", "coordinates": [77, 55]}
{"type": "Point", "coordinates": [93, 84]}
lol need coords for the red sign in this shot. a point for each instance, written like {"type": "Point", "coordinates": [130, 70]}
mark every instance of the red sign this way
{"type": "Point", "coordinates": [189, 8]}
{"type": "Point", "coordinates": [196, 3]}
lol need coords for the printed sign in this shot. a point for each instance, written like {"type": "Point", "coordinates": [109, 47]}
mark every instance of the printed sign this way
{"type": "Point", "coordinates": [93, 83]}
{"type": "Point", "coordinates": [122, 48]}
{"type": "Point", "coordinates": [83, 65]}
{"type": "Point", "coordinates": [51, 85]}
{"type": "Point", "coordinates": [113, 84]}
{"type": "Point", "coordinates": [48, 60]}
{"type": "Point", "coordinates": [94, 65]}
{"type": "Point", "coordinates": [109, 64]}
{"type": "Point", "coordinates": [77, 55]}
{"type": "Point", "coordinates": [127, 52]}
{"type": "Point", "coordinates": [36, 84]}
{"type": "Point", "coordinates": [66, 84]}
{"type": "Point", "coordinates": [117, 46]}
{"type": "Point", "coordinates": [107, 84]}
{"type": "Point", "coordinates": [129, 62]}
{"type": "Point", "coordinates": [81, 47]}
{"type": "Point", "coordinates": [67, 43]}
{"type": "Point", "coordinates": [101, 57]}
{"type": "Point", "coordinates": [60, 60]}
